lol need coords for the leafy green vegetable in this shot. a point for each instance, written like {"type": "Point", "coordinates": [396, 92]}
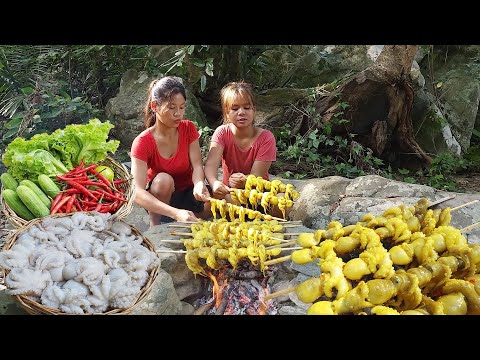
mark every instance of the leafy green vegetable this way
{"type": "Point", "coordinates": [28, 165]}
{"type": "Point", "coordinates": [84, 141]}
{"type": "Point", "coordinates": [62, 150]}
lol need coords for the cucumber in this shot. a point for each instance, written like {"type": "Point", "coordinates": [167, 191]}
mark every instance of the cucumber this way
{"type": "Point", "coordinates": [32, 201]}
{"type": "Point", "coordinates": [13, 201]}
{"type": "Point", "coordinates": [8, 181]}
{"type": "Point", "coordinates": [41, 195]}
{"type": "Point", "coordinates": [48, 186]}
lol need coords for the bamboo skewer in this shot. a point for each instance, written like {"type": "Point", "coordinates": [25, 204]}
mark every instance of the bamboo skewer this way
{"type": "Point", "coordinates": [293, 248]}
{"type": "Point", "coordinates": [279, 293]}
{"type": "Point", "coordinates": [189, 226]}
{"type": "Point", "coordinates": [172, 251]}
{"type": "Point", "coordinates": [192, 234]}
{"type": "Point", "coordinates": [201, 220]}
{"type": "Point", "coordinates": [292, 242]}
{"type": "Point", "coordinates": [461, 206]}
{"type": "Point", "coordinates": [286, 242]}
{"type": "Point", "coordinates": [468, 228]}
{"type": "Point", "coordinates": [181, 234]}
{"type": "Point", "coordinates": [277, 260]}
{"type": "Point", "coordinates": [279, 219]}
{"type": "Point", "coordinates": [439, 201]}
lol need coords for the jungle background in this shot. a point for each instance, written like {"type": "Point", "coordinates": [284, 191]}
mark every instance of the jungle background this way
{"type": "Point", "coordinates": [405, 112]}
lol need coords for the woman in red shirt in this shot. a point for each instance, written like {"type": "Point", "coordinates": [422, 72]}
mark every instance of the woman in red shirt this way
{"type": "Point", "coordinates": [166, 158]}
{"type": "Point", "coordinates": [238, 144]}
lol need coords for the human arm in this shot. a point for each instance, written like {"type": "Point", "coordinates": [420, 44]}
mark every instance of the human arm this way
{"type": "Point", "coordinates": [200, 191]}
{"type": "Point", "coordinates": [146, 200]}
{"type": "Point", "coordinates": [212, 164]}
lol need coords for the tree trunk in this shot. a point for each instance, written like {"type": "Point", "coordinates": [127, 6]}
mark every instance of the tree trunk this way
{"type": "Point", "coordinates": [380, 101]}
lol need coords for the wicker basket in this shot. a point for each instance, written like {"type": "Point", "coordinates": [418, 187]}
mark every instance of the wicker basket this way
{"type": "Point", "coordinates": [121, 172]}
{"type": "Point", "coordinates": [34, 308]}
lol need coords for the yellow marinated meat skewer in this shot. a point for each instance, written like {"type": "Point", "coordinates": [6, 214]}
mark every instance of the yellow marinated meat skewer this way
{"type": "Point", "coordinates": [224, 207]}
{"type": "Point", "coordinates": [404, 289]}
{"type": "Point", "coordinates": [256, 254]}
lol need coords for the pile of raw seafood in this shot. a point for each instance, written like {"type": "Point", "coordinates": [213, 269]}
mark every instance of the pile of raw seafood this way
{"type": "Point", "coordinates": [79, 263]}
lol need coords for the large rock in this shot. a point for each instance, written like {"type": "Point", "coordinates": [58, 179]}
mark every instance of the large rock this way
{"type": "Point", "coordinates": [457, 88]}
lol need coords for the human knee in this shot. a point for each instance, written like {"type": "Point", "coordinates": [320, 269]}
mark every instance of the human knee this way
{"type": "Point", "coordinates": [162, 184]}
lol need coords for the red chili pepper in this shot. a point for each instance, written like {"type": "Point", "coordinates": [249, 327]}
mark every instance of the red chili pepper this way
{"type": "Point", "coordinates": [101, 177]}
{"type": "Point", "coordinates": [78, 205]}
{"type": "Point", "coordinates": [70, 202]}
{"type": "Point", "coordinates": [82, 188]}
{"type": "Point", "coordinates": [60, 204]}
{"type": "Point", "coordinates": [95, 183]}
{"type": "Point", "coordinates": [94, 203]}
{"type": "Point", "coordinates": [56, 200]}
{"type": "Point", "coordinates": [107, 195]}
{"type": "Point", "coordinates": [89, 208]}
{"type": "Point", "coordinates": [66, 178]}
{"type": "Point", "coordinates": [121, 181]}
{"type": "Point", "coordinates": [78, 171]}
{"type": "Point", "coordinates": [71, 191]}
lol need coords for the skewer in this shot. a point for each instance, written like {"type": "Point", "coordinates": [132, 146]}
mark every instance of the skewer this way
{"type": "Point", "coordinates": [279, 293]}
{"type": "Point", "coordinates": [189, 226]}
{"type": "Point", "coordinates": [191, 234]}
{"type": "Point", "coordinates": [172, 251]}
{"type": "Point", "coordinates": [277, 260]}
{"type": "Point", "coordinates": [201, 220]}
{"type": "Point", "coordinates": [292, 242]}
{"type": "Point", "coordinates": [293, 248]}
{"type": "Point", "coordinates": [468, 228]}
{"type": "Point", "coordinates": [278, 239]}
{"type": "Point", "coordinates": [172, 241]}
{"type": "Point", "coordinates": [181, 234]}
{"type": "Point", "coordinates": [461, 206]}
{"type": "Point", "coordinates": [439, 201]}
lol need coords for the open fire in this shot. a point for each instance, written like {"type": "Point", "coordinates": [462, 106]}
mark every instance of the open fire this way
{"type": "Point", "coordinates": [239, 291]}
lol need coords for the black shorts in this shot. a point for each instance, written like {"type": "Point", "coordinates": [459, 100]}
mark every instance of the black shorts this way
{"type": "Point", "coordinates": [182, 200]}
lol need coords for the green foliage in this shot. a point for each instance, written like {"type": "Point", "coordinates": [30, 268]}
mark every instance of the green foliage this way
{"type": "Point", "coordinates": [206, 133]}
{"type": "Point", "coordinates": [319, 153]}
{"type": "Point", "coordinates": [209, 67]}
{"type": "Point", "coordinates": [440, 174]}
{"type": "Point", "coordinates": [51, 86]}
{"type": "Point", "coordinates": [48, 103]}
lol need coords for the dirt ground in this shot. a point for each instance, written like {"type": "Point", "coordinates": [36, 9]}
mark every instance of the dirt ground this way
{"type": "Point", "coordinates": [469, 183]}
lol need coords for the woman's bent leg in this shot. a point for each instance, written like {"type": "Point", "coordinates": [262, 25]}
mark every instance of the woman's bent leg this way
{"type": "Point", "coordinates": [162, 187]}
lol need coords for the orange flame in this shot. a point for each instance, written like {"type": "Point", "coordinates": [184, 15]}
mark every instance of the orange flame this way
{"type": "Point", "coordinates": [217, 290]}
{"type": "Point", "coordinates": [262, 310]}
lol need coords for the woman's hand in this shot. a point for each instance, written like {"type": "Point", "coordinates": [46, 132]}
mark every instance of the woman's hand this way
{"type": "Point", "coordinates": [200, 192]}
{"type": "Point", "coordinates": [185, 215]}
{"type": "Point", "coordinates": [237, 180]}
{"type": "Point", "coordinates": [220, 190]}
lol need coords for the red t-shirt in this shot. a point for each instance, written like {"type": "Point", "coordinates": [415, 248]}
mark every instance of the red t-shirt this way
{"type": "Point", "coordinates": [240, 160]}
{"type": "Point", "coordinates": [144, 147]}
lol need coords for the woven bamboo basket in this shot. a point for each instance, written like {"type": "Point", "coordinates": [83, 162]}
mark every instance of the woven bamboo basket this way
{"type": "Point", "coordinates": [121, 173]}
{"type": "Point", "coordinates": [34, 308]}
